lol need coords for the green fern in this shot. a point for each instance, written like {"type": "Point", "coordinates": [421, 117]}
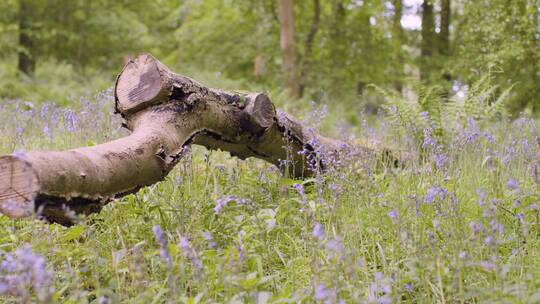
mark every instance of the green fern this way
{"type": "Point", "coordinates": [483, 103]}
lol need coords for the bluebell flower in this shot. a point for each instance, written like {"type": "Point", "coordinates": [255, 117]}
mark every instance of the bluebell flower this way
{"type": "Point", "coordinates": [393, 214]}
{"type": "Point", "coordinates": [161, 239]}
{"type": "Point", "coordinates": [512, 184]}
{"type": "Point", "coordinates": [318, 232]}
{"type": "Point", "coordinates": [23, 271]}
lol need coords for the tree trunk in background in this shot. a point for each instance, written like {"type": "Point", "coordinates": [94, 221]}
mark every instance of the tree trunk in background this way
{"type": "Point", "coordinates": [398, 40]}
{"type": "Point", "coordinates": [444, 44]}
{"type": "Point", "coordinates": [428, 45]}
{"type": "Point", "coordinates": [308, 47]}
{"type": "Point", "coordinates": [26, 62]}
{"type": "Point", "coordinates": [287, 42]}
{"type": "Point", "coordinates": [444, 36]}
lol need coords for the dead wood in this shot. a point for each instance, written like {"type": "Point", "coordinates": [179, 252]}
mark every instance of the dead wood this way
{"type": "Point", "coordinates": [166, 113]}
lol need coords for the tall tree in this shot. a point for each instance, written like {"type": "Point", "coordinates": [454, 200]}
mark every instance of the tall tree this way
{"type": "Point", "coordinates": [288, 47]}
{"type": "Point", "coordinates": [26, 60]}
{"type": "Point", "coordinates": [398, 36]}
{"type": "Point", "coordinates": [428, 45]}
{"type": "Point", "coordinates": [444, 36]}
{"type": "Point", "coordinates": [308, 46]}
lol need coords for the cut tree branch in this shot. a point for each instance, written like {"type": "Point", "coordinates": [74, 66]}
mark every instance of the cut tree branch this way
{"type": "Point", "coordinates": [166, 113]}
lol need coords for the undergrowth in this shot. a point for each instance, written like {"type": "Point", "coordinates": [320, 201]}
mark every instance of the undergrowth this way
{"type": "Point", "coordinates": [458, 222]}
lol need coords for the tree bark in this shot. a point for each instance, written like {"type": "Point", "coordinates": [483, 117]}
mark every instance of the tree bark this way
{"type": "Point", "coordinates": [428, 45]}
{"type": "Point", "coordinates": [308, 46]}
{"type": "Point", "coordinates": [444, 43]}
{"type": "Point", "coordinates": [26, 59]}
{"type": "Point", "coordinates": [288, 47]}
{"type": "Point", "coordinates": [444, 36]}
{"type": "Point", "coordinates": [166, 113]}
{"type": "Point", "coordinates": [398, 41]}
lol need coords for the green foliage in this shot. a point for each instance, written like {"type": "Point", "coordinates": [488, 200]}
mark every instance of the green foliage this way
{"type": "Point", "coordinates": [414, 234]}
{"type": "Point", "coordinates": [483, 102]}
{"type": "Point", "coordinates": [352, 45]}
{"type": "Point", "coordinates": [501, 36]}
{"type": "Point", "coordinates": [53, 82]}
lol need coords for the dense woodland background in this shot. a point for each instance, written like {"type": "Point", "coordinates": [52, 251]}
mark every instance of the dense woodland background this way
{"type": "Point", "coordinates": [458, 221]}
{"type": "Point", "coordinates": [329, 50]}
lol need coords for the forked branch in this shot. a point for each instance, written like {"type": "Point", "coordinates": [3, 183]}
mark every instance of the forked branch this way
{"type": "Point", "coordinates": [166, 113]}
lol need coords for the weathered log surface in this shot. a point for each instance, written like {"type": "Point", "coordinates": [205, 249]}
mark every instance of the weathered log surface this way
{"type": "Point", "coordinates": [166, 112]}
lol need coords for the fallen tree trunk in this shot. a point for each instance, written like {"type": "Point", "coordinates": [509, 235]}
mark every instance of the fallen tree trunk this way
{"type": "Point", "coordinates": [166, 113]}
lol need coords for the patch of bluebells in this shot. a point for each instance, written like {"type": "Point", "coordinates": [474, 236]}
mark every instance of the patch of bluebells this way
{"type": "Point", "coordinates": [210, 239]}
{"type": "Point", "coordinates": [325, 295]}
{"type": "Point", "coordinates": [224, 200]}
{"type": "Point", "coordinates": [70, 119]}
{"type": "Point", "coordinates": [24, 270]}
{"type": "Point", "coordinates": [192, 255]}
{"type": "Point", "coordinates": [434, 193]}
{"type": "Point", "coordinates": [380, 290]}
{"type": "Point", "coordinates": [312, 152]}
{"type": "Point", "coordinates": [335, 248]}
{"type": "Point", "coordinates": [240, 247]}
{"type": "Point", "coordinates": [472, 133]}
{"type": "Point", "coordinates": [430, 144]}
{"type": "Point", "coordinates": [161, 239]}
{"type": "Point", "coordinates": [300, 189]}
{"type": "Point", "coordinates": [513, 184]}
{"type": "Point", "coordinates": [318, 232]}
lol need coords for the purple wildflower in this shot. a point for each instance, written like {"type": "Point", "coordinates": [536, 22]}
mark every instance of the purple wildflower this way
{"type": "Point", "coordinates": [161, 238]}
{"type": "Point", "coordinates": [300, 189]}
{"type": "Point", "coordinates": [22, 269]}
{"type": "Point", "coordinates": [512, 184]}
{"type": "Point", "coordinates": [476, 227]}
{"type": "Point", "coordinates": [335, 247]}
{"type": "Point", "coordinates": [440, 160]}
{"type": "Point", "coordinates": [210, 239]}
{"type": "Point", "coordinates": [429, 141]}
{"type": "Point", "coordinates": [336, 189]}
{"type": "Point", "coordinates": [393, 214]}
{"type": "Point", "coordinates": [47, 131]}
{"type": "Point", "coordinates": [435, 192]}
{"type": "Point", "coordinates": [488, 266]}
{"type": "Point", "coordinates": [19, 131]}
{"type": "Point", "coordinates": [471, 133]}
{"type": "Point", "coordinates": [490, 240]}
{"type": "Point", "coordinates": [44, 110]}
{"type": "Point", "coordinates": [490, 138]}
{"type": "Point", "coordinates": [70, 120]}
{"type": "Point", "coordinates": [191, 254]}
{"type": "Point", "coordinates": [483, 195]}
{"type": "Point", "coordinates": [320, 292]}
{"type": "Point", "coordinates": [408, 287]}
{"type": "Point", "coordinates": [223, 201]}
{"type": "Point", "coordinates": [379, 290]}
{"type": "Point", "coordinates": [318, 232]}
{"type": "Point", "coordinates": [240, 247]}
{"type": "Point", "coordinates": [177, 181]}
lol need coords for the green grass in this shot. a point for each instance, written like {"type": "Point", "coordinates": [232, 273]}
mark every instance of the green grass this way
{"type": "Point", "coordinates": [384, 240]}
